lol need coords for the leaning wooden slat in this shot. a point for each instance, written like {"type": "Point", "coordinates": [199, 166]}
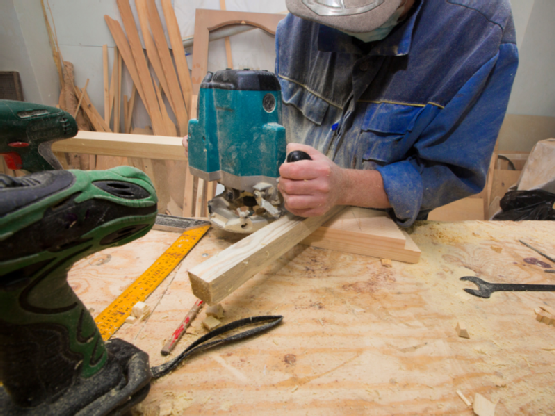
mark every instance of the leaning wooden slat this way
{"type": "Point", "coordinates": [125, 110]}
{"type": "Point", "coordinates": [221, 275]}
{"type": "Point", "coordinates": [170, 127]}
{"type": "Point", "coordinates": [117, 94]}
{"type": "Point", "coordinates": [81, 98]}
{"type": "Point", "coordinates": [54, 46]}
{"type": "Point", "coordinates": [151, 102]}
{"type": "Point", "coordinates": [93, 115]}
{"type": "Point", "coordinates": [178, 53]}
{"type": "Point", "coordinates": [150, 47]}
{"type": "Point", "coordinates": [132, 145]}
{"type": "Point", "coordinates": [107, 109]}
{"type": "Point", "coordinates": [211, 192]}
{"type": "Point", "coordinates": [167, 64]}
{"type": "Point", "coordinates": [200, 201]}
{"type": "Point", "coordinates": [130, 110]}
{"type": "Point", "coordinates": [125, 50]}
{"type": "Point", "coordinates": [189, 193]}
{"type": "Point", "coordinates": [113, 84]}
{"type": "Point", "coordinates": [227, 42]}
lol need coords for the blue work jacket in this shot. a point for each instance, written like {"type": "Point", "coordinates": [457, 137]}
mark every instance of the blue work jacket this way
{"type": "Point", "coordinates": [423, 106]}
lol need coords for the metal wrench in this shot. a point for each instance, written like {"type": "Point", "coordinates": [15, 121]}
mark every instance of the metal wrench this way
{"type": "Point", "coordinates": [485, 289]}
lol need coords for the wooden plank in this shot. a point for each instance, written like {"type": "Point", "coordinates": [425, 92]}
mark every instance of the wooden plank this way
{"type": "Point", "coordinates": [367, 232]}
{"type": "Point", "coordinates": [486, 192]}
{"type": "Point", "coordinates": [200, 200]}
{"type": "Point", "coordinates": [105, 62]}
{"type": "Point", "coordinates": [178, 53]}
{"type": "Point", "coordinates": [71, 97]}
{"type": "Point", "coordinates": [113, 86]}
{"type": "Point", "coordinates": [93, 115]}
{"type": "Point", "coordinates": [3, 167]}
{"type": "Point", "coordinates": [219, 276]}
{"type": "Point", "coordinates": [228, 55]}
{"type": "Point", "coordinates": [130, 145]}
{"type": "Point", "coordinates": [170, 127]}
{"type": "Point", "coordinates": [211, 190]}
{"type": "Point", "coordinates": [173, 91]}
{"type": "Point", "coordinates": [150, 100]}
{"type": "Point", "coordinates": [81, 98]}
{"type": "Point", "coordinates": [117, 94]}
{"type": "Point", "coordinates": [125, 50]}
{"type": "Point", "coordinates": [207, 20]}
{"type": "Point", "coordinates": [189, 194]}
{"type": "Point", "coordinates": [54, 46]}
{"type": "Point", "coordinates": [130, 109]}
{"type": "Point", "coordinates": [150, 47]}
{"type": "Point", "coordinates": [125, 111]}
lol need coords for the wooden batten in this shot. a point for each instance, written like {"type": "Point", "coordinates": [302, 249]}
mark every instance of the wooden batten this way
{"type": "Point", "coordinates": [216, 278]}
{"type": "Point", "coordinates": [368, 232]}
{"type": "Point", "coordinates": [151, 102]}
{"type": "Point", "coordinates": [150, 47]}
{"type": "Point", "coordinates": [178, 53]}
{"type": "Point", "coordinates": [174, 90]}
{"type": "Point", "coordinates": [131, 145]}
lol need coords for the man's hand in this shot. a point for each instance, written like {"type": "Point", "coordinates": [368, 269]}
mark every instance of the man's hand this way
{"type": "Point", "coordinates": [311, 187]}
{"type": "Point", "coordinates": [186, 144]}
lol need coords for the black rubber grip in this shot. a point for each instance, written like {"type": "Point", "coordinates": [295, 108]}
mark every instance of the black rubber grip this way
{"type": "Point", "coordinates": [297, 155]}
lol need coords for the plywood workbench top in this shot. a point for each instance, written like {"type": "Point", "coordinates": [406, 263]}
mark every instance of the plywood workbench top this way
{"type": "Point", "coordinates": [358, 338]}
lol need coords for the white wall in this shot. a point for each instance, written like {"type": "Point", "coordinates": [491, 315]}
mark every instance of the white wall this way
{"type": "Point", "coordinates": [534, 88]}
{"type": "Point", "coordinates": [24, 48]}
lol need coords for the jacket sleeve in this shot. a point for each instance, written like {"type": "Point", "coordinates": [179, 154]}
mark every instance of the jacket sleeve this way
{"type": "Point", "coordinates": [451, 157]}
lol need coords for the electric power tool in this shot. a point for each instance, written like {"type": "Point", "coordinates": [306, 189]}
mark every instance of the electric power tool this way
{"type": "Point", "coordinates": [27, 132]}
{"type": "Point", "coordinates": [238, 141]}
{"type": "Point", "coordinates": [53, 360]}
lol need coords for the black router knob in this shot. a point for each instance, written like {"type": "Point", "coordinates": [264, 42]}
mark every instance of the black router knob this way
{"type": "Point", "coordinates": [297, 155]}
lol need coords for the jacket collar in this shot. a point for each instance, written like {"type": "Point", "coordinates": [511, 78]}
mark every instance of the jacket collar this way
{"type": "Point", "coordinates": [398, 43]}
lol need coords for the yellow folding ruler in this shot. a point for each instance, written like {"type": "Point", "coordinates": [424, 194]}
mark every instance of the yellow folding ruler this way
{"type": "Point", "coordinates": [111, 318]}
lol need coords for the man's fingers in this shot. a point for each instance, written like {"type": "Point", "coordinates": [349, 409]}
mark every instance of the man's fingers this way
{"type": "Point", "coordinates": [304, 169]}
{"type": "Point", "coordinates": [303, 187]}
{"type": "Point", "coordinates": [304, 202]}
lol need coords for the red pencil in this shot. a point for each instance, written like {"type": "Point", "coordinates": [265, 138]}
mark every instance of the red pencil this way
{"type": "Point", "coordinates": [178, 333]}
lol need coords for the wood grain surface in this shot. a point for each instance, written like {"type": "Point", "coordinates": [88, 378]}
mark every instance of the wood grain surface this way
{"type": "Point", "coordinates": [357, 338]}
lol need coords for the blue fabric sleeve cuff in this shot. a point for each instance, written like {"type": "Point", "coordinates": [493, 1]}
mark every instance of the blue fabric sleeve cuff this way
{"type": "Point", "coordinates": [403, 186]}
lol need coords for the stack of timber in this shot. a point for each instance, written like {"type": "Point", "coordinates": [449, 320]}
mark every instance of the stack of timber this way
{"type": "Point", "coordinates": [163, 86]}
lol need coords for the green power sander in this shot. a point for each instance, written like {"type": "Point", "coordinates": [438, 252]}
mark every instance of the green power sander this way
{"type": "Point", "coordinates": [53, 360]}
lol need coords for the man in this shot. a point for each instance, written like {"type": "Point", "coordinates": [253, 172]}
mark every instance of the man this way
{"type": "Point", "coordinates": [398, 102]}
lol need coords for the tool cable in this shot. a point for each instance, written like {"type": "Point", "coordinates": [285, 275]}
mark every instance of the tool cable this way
{"type": "Point", "coordinates": [201, 344]}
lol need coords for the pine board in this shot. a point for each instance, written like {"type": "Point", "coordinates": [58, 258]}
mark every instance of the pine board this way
{"type": "Point", "coordinates": [366, 232]}
{"type": "Point", "coordinates": [220, 276]}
